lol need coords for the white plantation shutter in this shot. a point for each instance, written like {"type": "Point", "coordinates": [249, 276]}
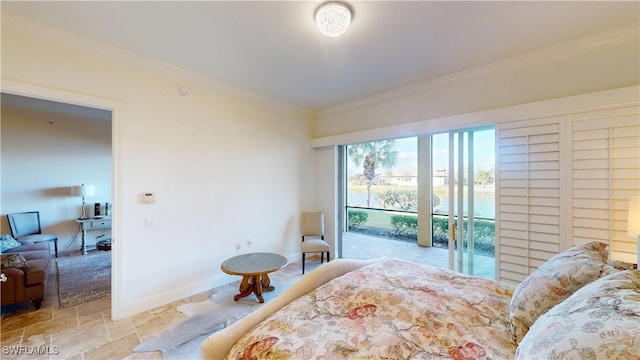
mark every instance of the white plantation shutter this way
{"type": "Point", "coordinates": [605, 171]}
{"type": "Point", "coordinates": [562, 181]}
{"type": "Point", "coordinates": [528, 197]}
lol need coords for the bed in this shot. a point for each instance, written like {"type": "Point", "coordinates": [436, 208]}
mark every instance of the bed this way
{"type": "Point", "coordinates": [576, 305]}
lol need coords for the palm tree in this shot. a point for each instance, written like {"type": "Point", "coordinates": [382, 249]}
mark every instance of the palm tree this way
{"type": "Point", "coordinates": [485, 176]}
{"type": "Point", "coordinates": [373, 155]}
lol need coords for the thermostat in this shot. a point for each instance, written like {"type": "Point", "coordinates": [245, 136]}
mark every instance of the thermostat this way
{"type": "Point", "coordinates": [148, 198]}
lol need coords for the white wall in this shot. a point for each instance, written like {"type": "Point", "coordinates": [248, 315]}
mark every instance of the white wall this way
{"type": "Point", "coordinates": [43, 154]}
{"type": "Point", "coordinates": [224, 169]}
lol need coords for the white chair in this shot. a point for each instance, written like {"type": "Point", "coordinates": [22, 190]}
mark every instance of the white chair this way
{"type": "Point", "coordinates": [313, 236]}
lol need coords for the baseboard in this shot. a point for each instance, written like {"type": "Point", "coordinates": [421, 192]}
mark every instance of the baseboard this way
{"type": "Point", "coordinates": [136, 307]}
{"type": "Point", "coordinates": [182, 292]}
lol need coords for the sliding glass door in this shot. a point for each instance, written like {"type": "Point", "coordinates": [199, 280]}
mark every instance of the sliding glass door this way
{"type": "Point", "coordinates": [435, 192]}
{"type": "Point", "coordinates": [463, 219]}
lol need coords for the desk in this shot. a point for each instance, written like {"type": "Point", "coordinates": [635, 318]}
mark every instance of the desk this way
{"type": "Point", "coordinates": [255, 269]}
{"type": "Point", "coordinates": [92, 224]}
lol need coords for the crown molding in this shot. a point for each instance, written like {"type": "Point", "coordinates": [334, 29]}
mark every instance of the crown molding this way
{"type": "Point", "coordinates": [73, 41]}
{"type": "Point", "coordinates": [622, 35]}
{"type": "Point", "coordinates": [601, 100]}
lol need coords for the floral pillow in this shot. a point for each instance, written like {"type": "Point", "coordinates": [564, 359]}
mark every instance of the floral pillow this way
{"type": "Point", "coordinates": [618, 265]}
{"type": "Point", "coordinates": [7, 242]}
{"type": "Point", "coordinates": [14, 261]}
{"type": "Point", "coordinates": [599, 321]}
{"type": "Point", "coordinates": [554, 281]}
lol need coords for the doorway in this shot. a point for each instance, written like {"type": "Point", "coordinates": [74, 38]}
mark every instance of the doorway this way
{"type": "Point", "coordinates": [55, 146]}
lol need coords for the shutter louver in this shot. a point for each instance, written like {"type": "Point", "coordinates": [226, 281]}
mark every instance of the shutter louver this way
{"type": "Point", "coordinates": [605, 172]}
{"type": "Point", "coordinates": [528, 201]}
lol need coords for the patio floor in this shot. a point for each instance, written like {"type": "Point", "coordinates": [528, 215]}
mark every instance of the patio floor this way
{"type": "Point", "coordinates": [358, 246]}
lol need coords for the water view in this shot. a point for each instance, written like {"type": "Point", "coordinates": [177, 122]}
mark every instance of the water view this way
{"type": "Point", "coordinates": [382, 200]}
{"type": "Point", "coordinates": [483, 206]}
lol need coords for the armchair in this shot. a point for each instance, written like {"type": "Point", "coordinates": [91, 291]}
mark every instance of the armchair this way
{"type": "Point", "coordinates": [25, 228]}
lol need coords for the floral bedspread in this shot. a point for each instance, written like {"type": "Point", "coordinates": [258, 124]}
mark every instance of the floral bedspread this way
{"type": "Point", "coordinates": [391, 309]}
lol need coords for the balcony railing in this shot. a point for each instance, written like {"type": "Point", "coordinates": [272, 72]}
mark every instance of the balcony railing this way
{"type": "Point", "coordinates": [403, 225]}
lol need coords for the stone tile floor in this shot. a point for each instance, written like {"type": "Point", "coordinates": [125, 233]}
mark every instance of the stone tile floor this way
{"type": "Point", "coordinates": [85, 331]}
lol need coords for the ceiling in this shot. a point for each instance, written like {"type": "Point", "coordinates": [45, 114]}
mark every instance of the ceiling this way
{"type": "Point", "coordinates": [273, 48]}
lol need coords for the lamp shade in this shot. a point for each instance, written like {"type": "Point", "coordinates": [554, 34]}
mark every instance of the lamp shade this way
{"type": "Point", "coordinates": [83, 190]}
{"type": "Point", "coordinates": [633, 221]}
{"type": "Point", "coordinates": [333, 18]}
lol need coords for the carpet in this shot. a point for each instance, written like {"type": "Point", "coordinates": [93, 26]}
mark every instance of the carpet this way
{"type": "Point", "coordinates": [182, 341]}
{"type": "Point", "coordinates": [84, 278]}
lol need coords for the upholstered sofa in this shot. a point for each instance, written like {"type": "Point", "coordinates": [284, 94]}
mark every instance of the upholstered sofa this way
{"type": "Point", "coordinates": [25, 276]}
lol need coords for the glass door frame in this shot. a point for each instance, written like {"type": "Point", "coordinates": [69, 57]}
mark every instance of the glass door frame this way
{"type": "Point", "coordinates": [461, 174]}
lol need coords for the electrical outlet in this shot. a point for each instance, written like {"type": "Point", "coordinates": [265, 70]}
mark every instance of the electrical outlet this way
{"type": "Point", "coordinates": [238, 246]}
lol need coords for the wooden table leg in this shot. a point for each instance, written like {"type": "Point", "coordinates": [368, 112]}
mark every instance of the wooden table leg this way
{"type": "Point", "coordinates": [258, 288]}
{"type": "Point", "coordinates": [266, 283]}
{"type": "Point", "coordinates": [254, 284]}
{"type": "Point", "coordinates": [246, 287]}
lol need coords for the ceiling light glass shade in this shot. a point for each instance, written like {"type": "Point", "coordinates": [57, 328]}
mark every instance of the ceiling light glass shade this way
{"type": "Point", "coordinates": [333, 18]}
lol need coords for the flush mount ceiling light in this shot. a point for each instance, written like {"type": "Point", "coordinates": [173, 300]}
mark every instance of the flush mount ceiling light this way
{"type": "Point", "coordinates": [333, 18]}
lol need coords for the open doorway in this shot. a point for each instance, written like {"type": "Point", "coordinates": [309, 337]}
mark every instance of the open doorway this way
{"type": "Point", "coordinates": [49, 149]}
{"type": "Point", "coordinates": [380, 201]}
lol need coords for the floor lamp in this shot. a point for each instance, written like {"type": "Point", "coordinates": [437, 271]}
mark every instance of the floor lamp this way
{"type": "Point", "coordinates": [83, 190]}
